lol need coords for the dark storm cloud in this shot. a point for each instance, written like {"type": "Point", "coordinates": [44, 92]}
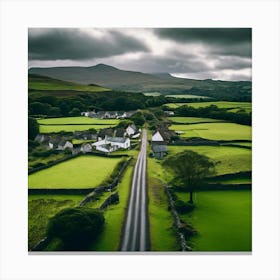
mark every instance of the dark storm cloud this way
{"type": "Point", "coordinates": [75, 44]}
{"type": "Point", "coordinates": [232, 63]}
{"type": "Point", "coordinates": [228, 41]}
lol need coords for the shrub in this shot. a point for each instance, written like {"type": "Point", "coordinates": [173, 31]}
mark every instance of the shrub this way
{"type": "Point", "coordinates": [76, 227]}
{"type": "Point", "coordinates": [183, 207]}
{"type": "Point", "coordinates": [188, 230]}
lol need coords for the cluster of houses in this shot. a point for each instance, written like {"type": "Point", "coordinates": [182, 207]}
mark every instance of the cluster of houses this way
{"type": "Point", "coordinates": [106, 140]}
{"type": "Point", "coordinates": [108, 114]}
{"type": "Point", "coordinates": [160, 139]}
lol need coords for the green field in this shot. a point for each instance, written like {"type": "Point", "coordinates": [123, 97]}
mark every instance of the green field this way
{"type": "Point", "coordinates": [227, 159]}
{"type": "Point", "coordinates": [247, 106]}
{"type": "Point", "coordinates": [214, 131]}
{"type": "Point", "coordinates": [152, 93]}
{"type": "Point", "coordinates": [162, 233]}
{"type": "Point", "coordinates": [188, 96]}
{"type": "Point", "coordinates": [78, 120]}
{"type": "Point", "coordinates": [70, 128]}
{"type": "Point", "coordinates": [191, 120]}
{"type": "Point", "coordinates": [43, 207]}
{"type": "Point", "coordinates": [45, 83]}
{"type": "Point", "coordinates": [223, 220]}
{"type": "Point", "coordinates": [80, 172]}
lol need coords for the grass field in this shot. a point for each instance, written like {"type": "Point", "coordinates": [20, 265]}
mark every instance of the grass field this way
{"type": "Point", "coordinates": [80, 172]}
{"type": "Point", "coordinates": [162, 234]}
{"type": "Point", "coordinates": [190, 120]}
{"type": "Point", "coordinates": [45, 83]}
{"type": "Point", "coordinates": [110, 239]}
{"type": "Point", "coordinates": [190, 96]}
{"type": "Point", "coordinates": [70, 128]}
{"type": "Point", "coordinates": [214, 131]}
{"type": "Point", "coordinates": [247, 106]}
{"type": "Point", "coordinates": [223, 220]}
{"type": "Point", "coordinates": [78, 120]}
{"type": "Point", "coordinates": [228, 159]}
{"type": "Point", "coordinates": [43, 207]}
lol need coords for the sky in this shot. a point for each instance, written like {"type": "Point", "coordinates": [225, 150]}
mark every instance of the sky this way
{"type": "Point", "coordinates": [197, 53]}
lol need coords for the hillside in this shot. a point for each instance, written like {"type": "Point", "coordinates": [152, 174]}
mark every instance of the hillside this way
{"type": "Point", "coordinates": [42, 83]}
{"type": "Point", "coordinates": [111, 77]}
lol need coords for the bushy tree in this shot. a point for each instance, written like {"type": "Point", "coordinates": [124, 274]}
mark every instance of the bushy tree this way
{"type": "Point", "coordinates": [76, 227]}
{"type": "Point", "coordinates": [190, 169]}
{"type": "Point", "coordinates": [33, 128]}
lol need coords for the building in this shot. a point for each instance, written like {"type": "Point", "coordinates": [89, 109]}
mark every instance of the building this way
{"type": "Point", "coordinates": [157, 137]}
{"type": "Point", "coordinates": [110, 144]}
{"type": "Point", "coordinates": [159, 151]}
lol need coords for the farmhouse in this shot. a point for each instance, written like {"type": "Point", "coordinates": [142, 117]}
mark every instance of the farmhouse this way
{"type": "Point", "coordinates": [157, 137]}
{"type": "Point", "coordinates": [109, 144]}
{"type": "Point", "coordinates": [64, 144]}
{"type": "Point", "coordinates": [131, 129]}
{"type": "Point", "coordinates": [86, 148]}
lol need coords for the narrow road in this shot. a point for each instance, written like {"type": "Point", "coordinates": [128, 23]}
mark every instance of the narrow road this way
{"type": "Point", "coordinates": [136, 234]}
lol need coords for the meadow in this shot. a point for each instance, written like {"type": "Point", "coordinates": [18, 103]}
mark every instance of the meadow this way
{"type": "Point", "coordinates": [223, 220]}
{"type": "Point", "coordinates": [191, 120]}
{"type": "Point", "coordinates": [227, 159]}
{"type": "Point", "coordinates": [80, 172]}
{"type": "Point", "coordinates": [77, 120]}
{"type": "Point", "coordinates": [247, 106]}
{"type": "Point", "coordinates": [70, 128]}
{"type": "Point", "coordinates": [214, 131]}
{"type": "Point", "coordinates": [41, 208]}
{"type": "Point", "coordinates": [45, 83]}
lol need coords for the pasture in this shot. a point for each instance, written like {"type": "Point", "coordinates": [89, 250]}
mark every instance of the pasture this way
{"type": "Point", "coordinates": [247, 106]}
{"type": "Point", "coordinates": [80, 172]}
{"type": "Point", "coordinates": [77, 120]}
{"type": "Point", "coordinates": [187, 96]}
{"type": "Point", "coordinates": [70, 128]}
{"type": "Point", "coordinates": [214, 131]}
{"type": "Point", "coordinates": [227, 159]}
{"type": "Point", "coordinates": [45, 83]}
{"type": "Point", "coordinates": [223, 220]}
{"type": "Point", "coordinates": [191, 120]}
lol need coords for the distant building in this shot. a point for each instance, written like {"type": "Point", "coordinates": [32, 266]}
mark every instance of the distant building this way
{"type": "Point", "coordinates": [157, 137]}
{"type": "Point", "coordinates": [131, 129]}
{"type": "Point", "coordinates": [159, 151]}
{"type": "Point", "coordinates": [109, 144]}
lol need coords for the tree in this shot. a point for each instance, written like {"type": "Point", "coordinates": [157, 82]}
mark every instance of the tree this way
{"type": "Point", "coordinates": [76, 227]}
{"type": "Point", "coordinates": [190, 169]}
{"type": "Point", "coordinates": [33, 128]}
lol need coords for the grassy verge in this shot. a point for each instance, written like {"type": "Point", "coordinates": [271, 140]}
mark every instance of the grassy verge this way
{"type": "Point", "coordinates": [222, 219]}
{"type": "Point", "coordinates": [162, 234]}
{"type": "Point", "coordinates": [43, 207]}
{"type": "Point", "coordinates": [110, 239]}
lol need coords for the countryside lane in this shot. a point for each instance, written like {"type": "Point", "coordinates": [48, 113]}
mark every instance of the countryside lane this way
{"type": "Point", "coordinates": [136, 234]}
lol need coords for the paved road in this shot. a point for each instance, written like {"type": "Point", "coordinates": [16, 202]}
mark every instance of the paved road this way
{"type": "Point", "coordinates": [136, 235]}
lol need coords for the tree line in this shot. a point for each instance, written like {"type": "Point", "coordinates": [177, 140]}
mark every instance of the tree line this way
{"type": "Point", "coordinates": [214, 112]}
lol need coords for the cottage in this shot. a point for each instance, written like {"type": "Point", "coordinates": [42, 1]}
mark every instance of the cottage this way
{"type": "Point", "coordinates": [131, 129]}
{"type": "Point", "coordinates": [42, 138]}
{"type": "Point", "coordinates": [64, 144]}
{"type": "Point", "coordinates": [159, 151]}
{"type": "Point", "coordinates": [112, 144]}
{"type": "Point", "coordinates": [86, 148]}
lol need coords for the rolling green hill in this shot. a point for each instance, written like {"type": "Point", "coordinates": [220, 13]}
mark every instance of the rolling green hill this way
{"type": "Point", "coordinates": [42, 83]}
{"type": "Point", "coordinates": [111, 77]}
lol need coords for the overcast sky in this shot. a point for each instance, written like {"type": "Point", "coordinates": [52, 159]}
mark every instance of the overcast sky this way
{"type": "Point", "coordinates": [199, 53]}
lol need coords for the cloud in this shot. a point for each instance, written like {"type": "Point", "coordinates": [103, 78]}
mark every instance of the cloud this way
{"type": "Point", "coordinates": [77, 44]}
{"type": "Point", "coordinates": [227, 41]}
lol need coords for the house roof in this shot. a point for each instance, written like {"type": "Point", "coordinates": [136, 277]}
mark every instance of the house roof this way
{"type": "Point", "coordinates": [116, 139]}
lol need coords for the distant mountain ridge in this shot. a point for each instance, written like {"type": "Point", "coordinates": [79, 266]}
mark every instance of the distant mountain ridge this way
{"type": "Point", "coordinates": [111, 77]}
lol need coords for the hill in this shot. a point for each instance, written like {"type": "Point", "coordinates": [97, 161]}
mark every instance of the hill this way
{"type": "Point", "coordinates": [111, 77]}
{"type": "Point", "coordinates": [42, 83]}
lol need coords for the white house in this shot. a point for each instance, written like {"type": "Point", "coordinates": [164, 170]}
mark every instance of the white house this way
{"type": "Point", "coordinates": [64, 145]}
{"type": "Point", "coordinates": [86, 148]}
{"type": "Point", "coordinates": [157, 137]}
{"type": "Point", "coordinates": [109, 144]}
{"type": "Point", "coordinates": [130, 130]}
